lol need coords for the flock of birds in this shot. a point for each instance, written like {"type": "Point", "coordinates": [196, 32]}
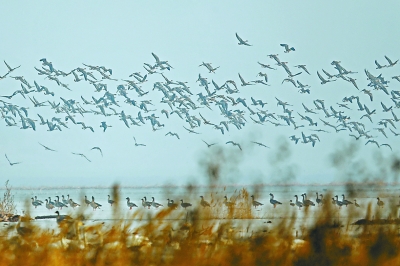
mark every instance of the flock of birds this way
{"type": "Point", "coordinates": [305, 202]}
{"type": "Point", "coordinates": [133, 103]}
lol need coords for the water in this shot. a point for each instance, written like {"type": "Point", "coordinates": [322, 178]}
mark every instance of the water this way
{"type": "Point", "coordinates": [364, 193]}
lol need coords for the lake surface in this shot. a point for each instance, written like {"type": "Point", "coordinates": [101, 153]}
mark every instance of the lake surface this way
{"type": "Point", "coordinates": [364, 193]}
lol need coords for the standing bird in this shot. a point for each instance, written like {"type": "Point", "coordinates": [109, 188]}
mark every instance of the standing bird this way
{"type": "Point", "coordinates": [35, 203]}
{"type": "Point", "coordinates": [155, 204]}
{"type": "Point", "coordinates": [272, 201]}
{"type": "Point", "coordinates": [337, 202]}
{"type": "Point", "coordinates": [228, 203]}
{"type": "Point", "coordinates": [346, 202]}
{"type": "Point", "coordinates": [49, 206]}
{"type": "Point", "coordinates": [129, 203]}
{"type": "Point", "coordinates": [59, 204]}
{"type": "Point", "coordinates": [307, 202]}
{"type": "Point", "coordinates": [94, 204]}
{"type": "Point", "coordinates": [298, 203]}
{"type": "Point", "coordinates": [380, 203]}
{"type": "Point", "coordinates": [110, 200]}
{"type": "Point", "coordinates": [87, 201]}
{"type": "Point", "coordinates": [171, 204]}
{"type": "Point", "coordinates": [204, 203]}
{"type": "Point", "coordinates": [72, 203]}
{"type": "Point", "coordinates": [64, 200]}
{"type": "Point", "coordinates": [356, 204]}
{"type": "Point", "coordinates": [185, 204]}
{"type": "Point", "coordinates": [147, 203]}
{"type": "Point", "coordinates": [318, 200]}
{"type": "Point", "coordinates": [255, 203]}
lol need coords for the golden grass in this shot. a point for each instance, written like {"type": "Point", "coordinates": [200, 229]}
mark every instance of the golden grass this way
{"type": "Point", "coordinates": [205, 236]}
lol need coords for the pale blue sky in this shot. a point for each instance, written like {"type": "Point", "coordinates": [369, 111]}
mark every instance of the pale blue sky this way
{"type": "Point", "coordinates": [123, 35]}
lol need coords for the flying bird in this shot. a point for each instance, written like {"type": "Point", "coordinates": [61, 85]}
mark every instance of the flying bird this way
{"type": "Point", "coordinates": [138, 144]}
{"type": "Point", "coordinates": [234, 143]}
{"type": "Point", "coordinates": [209, 145]}
{"type": "Point", "coordinates": [260, 144]}
{"type": "Point", "coordinates": [47, 148]}
{"type": "Point", "coordinates": [190, 131]}
{"type": "Point", "coordinates": [287, 49]}
{"type": "Point", "coordinates": [11, 162]}
{"type": "Point", "coordinates": [172, 134]}
{"type": "Point", "coordinates": [97, 148]}
{"type": "Point", "coordinates": [241, 41]}
{"type": "Point", "coordinates": [10, 69]}
{"type": "Point", "coordinates": [82, 155]}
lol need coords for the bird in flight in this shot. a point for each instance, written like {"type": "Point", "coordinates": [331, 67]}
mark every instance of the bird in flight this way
{"type": "Point", "coordinates": [97, 148]}
{"type": "Point", "coordinates": [209, 145]}
{"type": "Point", "coordinates": [82, 155]}
{"type": "Point", "coordinates": [260, 144]}
{"type": "Point", "coordinates": [190, 131]}
{"type": "Point", "coordinates": [47, 148]}
{"type": "Point", "coordinates": [234, 143]}
{"type": "Point", "coordinates": [138, 144]}
{"type": "Point", "coordinates": [10, 69]}
{"type": "Point", "coordinates": [11, 162]}
{"type": "Point", "coordinates": [172, 134]}
{"type": "Point", "coordinates": [242, 42]}
{"type": "Point", "coordinates": [287, 49]}
{"type": "Point", "coordinates": [104, 126]}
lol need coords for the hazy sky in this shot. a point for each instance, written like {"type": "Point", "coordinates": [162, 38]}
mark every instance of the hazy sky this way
{"type": "Point", "coordinates": [122, 36]}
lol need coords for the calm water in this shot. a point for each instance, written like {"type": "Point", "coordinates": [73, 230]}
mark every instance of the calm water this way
{"type": "Point", "coordinates": [363, 193]}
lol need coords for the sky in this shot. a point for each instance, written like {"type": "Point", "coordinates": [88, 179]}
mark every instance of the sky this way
{"type": "Point", "coordinates": [122, 36]}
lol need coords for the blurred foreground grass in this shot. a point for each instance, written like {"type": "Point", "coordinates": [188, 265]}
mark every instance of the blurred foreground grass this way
{"type": "Point", "coordinates": [195, 237]}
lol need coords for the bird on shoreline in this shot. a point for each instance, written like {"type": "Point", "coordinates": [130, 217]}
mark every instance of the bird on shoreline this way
{"type": "Point", "coordinates": [155, 204]}
{"type": "Point", "coordinates": [146, 203]}
{"type": "Point", "coordinates": [255, 203]}
{"type": "Point", "coordinates": [380, 203]}
{"type": "Point", "coordinates": [273, 201]}
{"type": "Point", "coordinates": [129, 203]}
{"type": "Point", "coordinates": [185, 204]}
{"type": "Point", "coordinates": [298, 203]}
{"type": "Point", "coordinates": [110, 201]}
{"type": "Point", "coordinates": [228, 203]}
{"type": "Point", "coordinates": [94, 204]}
{"type": "Point", "coordinates": [204, 203]}
{"type": "Point", "coordinates": [171, 204]}
{"type": "Point", "coordinates": [35, 203]}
